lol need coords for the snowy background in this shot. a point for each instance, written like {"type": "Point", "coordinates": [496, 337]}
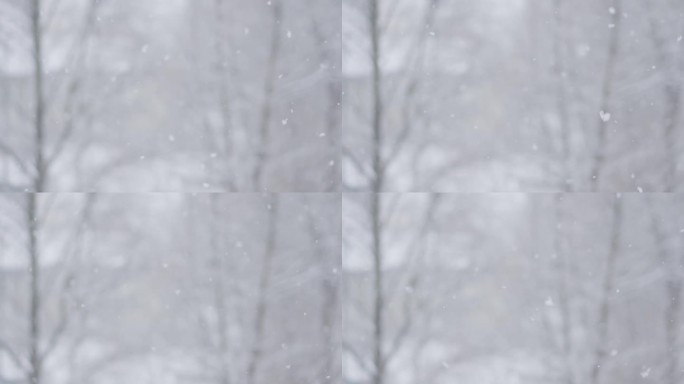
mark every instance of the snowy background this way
{"type": "Point", "coordinates": [341, 191]}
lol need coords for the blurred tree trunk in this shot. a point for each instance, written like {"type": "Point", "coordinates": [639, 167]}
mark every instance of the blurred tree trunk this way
{"type": "Point", "coordinates": [607, 289]}
{"type": "Point", "coordinates": [673, 296]}
{"type": "Point", "coordinates": [605, 101]}
{"type": "Point", "coordinates": [376, 201]}
{"type": "Point", "coordinates": [35, 358]}
{"type": "Point", "coordinates": [40, 179]}
{"type": "Point", "coordinates": [219, 290]}
{"type": "Point", "coordinates": [561, 95]}
{"type": "Point", "coordinates": [263, 290]}
{"type": "Point", "coordinates": [672, 63]}
{"type": "Point", "coordinates": [224, 100]}
{"type": "Point", "coordinates": [378, 299]}
{"type": "Point", "coordinates": [326, 56]}
{"type": "Point", "coordinates": [330, 307]}
{"type": "Point", "coordinates": [264, 138]}
{"type": "Point", "coordinates": [563, 291]}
